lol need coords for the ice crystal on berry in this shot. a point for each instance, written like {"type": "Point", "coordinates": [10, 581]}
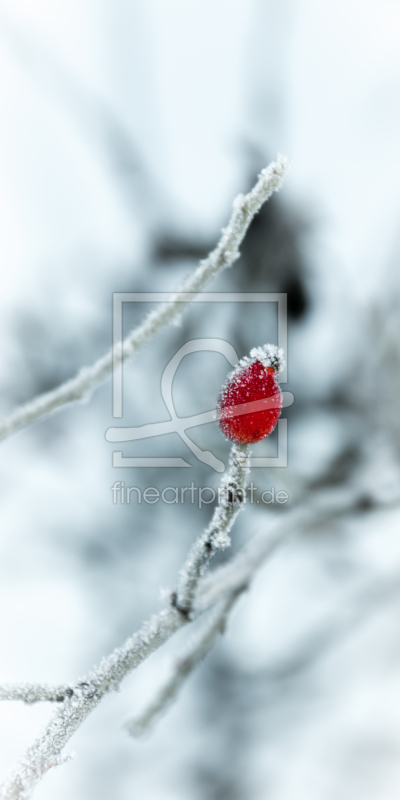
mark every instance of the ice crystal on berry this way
{"type": "Point", "coordinates": [250, 402]}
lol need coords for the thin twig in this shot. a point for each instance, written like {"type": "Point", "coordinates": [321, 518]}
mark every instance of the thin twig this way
{"type": "Point", "coordinates": [89, 378]}
{"type": "Point", "coordinates": [46, 751]}
{"type": "Point", "coordinates": [35, 692]}
{"type": "Point", "coordinates": [216, 537]}
{"type": "Point", "coordinates": [224, 583]}
{"type": "Point", "coordinates": [240, 569]}
{"type": "Point", "coordinates": [224, 586]}
{"type": "Point", "coordinates": [184, 666]}
{"type": "Point", "coordinates": [84, 696]}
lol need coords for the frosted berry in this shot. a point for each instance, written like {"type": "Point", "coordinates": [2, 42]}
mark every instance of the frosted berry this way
{"type": "Point", "coordinates": [251, 401]}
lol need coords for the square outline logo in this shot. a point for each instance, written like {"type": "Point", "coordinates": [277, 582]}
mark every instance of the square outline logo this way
{"type": "Point", "coordinates": [119, 298]}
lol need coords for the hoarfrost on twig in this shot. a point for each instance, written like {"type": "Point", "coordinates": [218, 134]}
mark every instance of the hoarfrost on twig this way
{"type": "Point", "coordinates": [183, 666]}
{"type": "Point", "coordinates": [46, 751]}
{"type": "Point", "coordinates": [239, 570]}
{"type": "Point", "coordinates": [34, 692]}
{"type": "Point", "coordinates": [222, 587]}
{"type": "Point", "coordinates": [216, 537]}
{"type": "Point", "coordinates": [89, 378]}
{"type": "Point", "coordinates": [84, 696]}
{"type": "Point", "coordinates": [78, 700]}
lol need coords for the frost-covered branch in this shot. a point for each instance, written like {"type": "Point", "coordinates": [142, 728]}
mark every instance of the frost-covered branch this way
{"type": "Point", "coordinates": [227, 251]}
{"type": "Point", "coordinates": [183, 666]}
{"type": "Point", "coordinates": [46, 751]}
{"type": "Point", "coordinates": [239, 570]}
{"type": "Point", "coordinates": [221, 589]}
{"type": "Point", "coordinates": [216, 537]}
{"type": "Point", "coordinates": [199, 592]}
{"type": "Point", "coordinates": [35, 692]}
{"type": "Point", "coordinates": [356, 610]}
{"type": "Point", "coordinates": [83, 697]}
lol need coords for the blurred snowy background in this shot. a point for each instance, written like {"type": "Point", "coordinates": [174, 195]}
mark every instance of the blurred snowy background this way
{"type": "Point", "coordinates": [127, 128]}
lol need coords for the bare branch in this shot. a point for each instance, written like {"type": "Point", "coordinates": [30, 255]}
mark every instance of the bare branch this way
{"type": "Point", "coordinates": [240, 569]}
{"type": "Point", "coordinates": [89, 378]}
{"type": "Point", "coordinates": [34, 692]}
{"type": "Point", "coordinates": [225, 585]}
{"type": "Point", "coordinates": [222, 586]}
{"type": "Point", "coordinates": [184, 666]}
{"type": "Point", "coordinates": [46, 751]}
{"type": "Point", "coordinates": [216, 537]}
{"type": "Point", "coordinates": [83, 697]}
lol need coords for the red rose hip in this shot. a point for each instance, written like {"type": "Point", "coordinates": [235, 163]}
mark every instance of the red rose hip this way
{"type": "Point", "coordinates": [251, 401]}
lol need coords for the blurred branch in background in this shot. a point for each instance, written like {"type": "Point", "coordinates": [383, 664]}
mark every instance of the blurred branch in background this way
{"type": "Point", "coordinates": [184, 665]}
{"type": "Point", "coordinates": [226, 252]}
{"type": "Point", "coordinates": [219, 590]}
{"type": "Point", "coordinates": [93, 113]}
{"type": "Point", "coordinates": [118, 126]}
{"type": "Point", "coordinates": [79, 700]}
